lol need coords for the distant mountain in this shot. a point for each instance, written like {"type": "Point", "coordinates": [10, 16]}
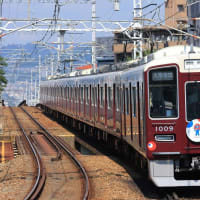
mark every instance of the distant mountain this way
{"type": "Point", "coordinates": [22, 59]}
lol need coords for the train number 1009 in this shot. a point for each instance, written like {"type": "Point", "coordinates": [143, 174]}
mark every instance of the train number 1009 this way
{"type": "Point", "coordinates": [164, 128]}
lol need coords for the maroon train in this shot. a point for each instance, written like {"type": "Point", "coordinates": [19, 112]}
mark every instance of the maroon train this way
{"type": "Point", "coordinates": [152, 106]}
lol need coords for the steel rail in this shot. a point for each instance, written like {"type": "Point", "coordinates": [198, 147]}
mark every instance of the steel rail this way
{"type": "Point", "coordinates": [66, 149]}
{"type": "Point", "coordinates": [41, 176]}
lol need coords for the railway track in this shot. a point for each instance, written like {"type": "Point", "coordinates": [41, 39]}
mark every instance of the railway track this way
{"type": "Point", "coordinates": [60, 148]}
{"type": "Point", "coordinates": [41, 175]}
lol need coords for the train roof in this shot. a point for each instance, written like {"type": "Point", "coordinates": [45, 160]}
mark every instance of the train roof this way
{"type": "Point", "coordinates": [162, 56]}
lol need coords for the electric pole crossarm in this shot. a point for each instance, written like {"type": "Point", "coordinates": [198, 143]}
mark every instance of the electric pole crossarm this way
{"type": "Point", "coordinates": [66, 25]}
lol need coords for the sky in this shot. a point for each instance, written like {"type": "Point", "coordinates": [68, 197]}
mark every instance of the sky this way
{"type": "Point", "coordinates": [13, 9]}
{"type": "Point", "coordinates": [78, 11]}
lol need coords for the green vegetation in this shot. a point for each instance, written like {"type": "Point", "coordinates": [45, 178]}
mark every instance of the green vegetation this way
{"type": "Point", "coordinates": [3, 80]}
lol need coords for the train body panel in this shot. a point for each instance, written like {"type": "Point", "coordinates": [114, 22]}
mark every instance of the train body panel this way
{"type": "Point", "coordinates": [153, 106]}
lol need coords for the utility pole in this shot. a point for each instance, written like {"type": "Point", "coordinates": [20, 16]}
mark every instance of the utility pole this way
{"type": "Point", "coordinates": [52, 66]}
{"type": "Point", "coordinates": [35, 99]}
{"type": "Point", "coordinates": [26, 91]}
{"type": "Point", "coordinates": [29, 9]}
{"type": "Point", "coordinates": [31, 87]}
{"type": "Point", "coordinates": [94, 35]}
{"type": "Point", "coordinates": [46, 68]}
{"type": "Point", "coordinates": [137, 13]}
{"type": "Point", "coordinates": [39, 77]}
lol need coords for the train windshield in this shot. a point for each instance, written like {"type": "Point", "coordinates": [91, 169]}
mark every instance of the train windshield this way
{"type": "Point", "coordinates": [163, 93]}
{"type": "Point", "coordinates": [193, 100]}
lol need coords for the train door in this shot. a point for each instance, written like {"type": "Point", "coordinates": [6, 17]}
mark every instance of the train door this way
{"type": "Point", "coordinates": [127, 109]}
{"type": "Point", "coordinates": [67, 107]}
{"type": "Point", "coordinates": [123, 110]}
{"type": "Point", "coordinates": [98, 102]}
{"type": "Point", "coordinates": [79, 100]}
{"type": "Point", "coordinates": [82, 102]}
{"type": "Point", "coordinates": [114, 107]}
{"type": "Point", "coordinates": [65, 98]}
{"type": "Point", "coordinates": [93, 103]}
{"type": "Point", "coordinates": [139, 101]}
{"type": "Point", "coordinates": [76, 100]}
{"type": "Point", "coordinates": [102, 106]}
{"type": "Point", "coordinates": [117, 109]}
{"type": "Point", "coordinates": [106, 106]}
{"type": "Point", "coordinates": [90, 102]}
{"type": "Point", "coordinates": [110, 106]}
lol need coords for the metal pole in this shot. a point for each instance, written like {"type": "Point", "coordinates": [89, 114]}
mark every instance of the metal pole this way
{"type": "Point", "coordinates": [39, 77]}
{"type": "Point", "coordinates": [52, 66]}
{"type": "Point", "coordinates": [137, 13]}
{"type": "Point", "coordinates": [35, 99]}
{"type": "Point", "coordinates": [46, 68]}
{"type": "Point", "coordinates": [31, 88]}
{"type": "Point", "coordinates": [26, 91]}
{"type": "Point", "coordinates": [94, 35]}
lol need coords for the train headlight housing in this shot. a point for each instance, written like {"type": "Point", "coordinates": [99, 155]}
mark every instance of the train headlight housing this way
{"type": "Point", "coordinates": [165, 138]}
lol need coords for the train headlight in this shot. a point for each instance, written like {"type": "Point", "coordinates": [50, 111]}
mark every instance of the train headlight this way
{"type": "Point", "coordinates": [164, 138]}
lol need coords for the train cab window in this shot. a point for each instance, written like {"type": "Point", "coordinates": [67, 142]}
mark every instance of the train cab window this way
{"type": "Point", "coordinates": [133, 101]}
{"type": "Point", "coordinates": [127, 101]}
{"type": "Point", "coordinates": [163, 93]}
{"type": "Point", "coordinates": [192, 100]}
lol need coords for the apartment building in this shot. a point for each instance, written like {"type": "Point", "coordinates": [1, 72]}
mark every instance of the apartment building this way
{"type": "Point", "coordinates": [156, 37]}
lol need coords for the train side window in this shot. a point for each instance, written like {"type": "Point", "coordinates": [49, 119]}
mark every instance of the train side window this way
{"type": "Point", "coordinates": [81, 94]}
{"type": "Point", "coordinates": [133, 101]}
{"type": "Point", "coordinates": [92, 96]}
{"type": "Point", "coordinates": [95, 96]}
{"type": "Point", "coordinates": [101, 96]}
{"type": "Point", "coordinates": [127, 101]}
{"type": "Point", "coordinates": [71, 93]}
{"type": "Point", "coordinates": [117, 97]}
{"type": "Point", "coordinates": [69, 89]}
{"type": "Point", "coordinates": [75, 94]}
{"type": "Point", "coordinates": [65, 92]}
{"type": "Point", "coordinates": [109, 98]}
{"type": "Point", "coordinates": [86, 95]}
{"type": "Point", "coordinates": [192, 100]}
{"type": "Point", "coordinates": [61, 92]}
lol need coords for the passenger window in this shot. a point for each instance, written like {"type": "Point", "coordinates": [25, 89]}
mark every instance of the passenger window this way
{"type": "Point", "coordinates": [87, 95]}
{"type": "Point", "coordinates": [109, 97]}
{"type": "Point", "coordinates": [133, 99]}
{"type": "Point", "coordinates": [127, 100]}
{"type": "Point", "coordinates": [101, 96]}
{"type": "Point", "coordinates": [82, 95]}
{"type": "Point", "coordinates": [92, 97]}
{"type": "Point", "coordinates": [95, 96]}
{"type": "Point", "coordinates": [117, 98]}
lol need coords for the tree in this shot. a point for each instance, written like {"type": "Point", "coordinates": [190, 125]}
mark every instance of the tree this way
{"type": "Point", "coordinates": [3, 80]}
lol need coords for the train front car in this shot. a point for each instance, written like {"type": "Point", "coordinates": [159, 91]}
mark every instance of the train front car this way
{"type": "Point", "coordinates": [173, 117]}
